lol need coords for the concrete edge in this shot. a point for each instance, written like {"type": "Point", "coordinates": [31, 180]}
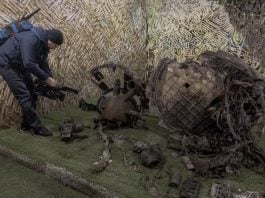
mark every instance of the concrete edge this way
{"type": "Point", "coordinates": [60, 174]}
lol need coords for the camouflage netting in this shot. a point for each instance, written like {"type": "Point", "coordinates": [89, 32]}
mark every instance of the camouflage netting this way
{"type": "Point", "coordinates": [184, 29]}
{"type": "Point", "coordinates": [247, 16]}
{"type": "Point", "coordinates": [213, 103]}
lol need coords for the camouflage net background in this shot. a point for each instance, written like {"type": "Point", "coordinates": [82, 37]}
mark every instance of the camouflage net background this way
{"type": "Point", "coordinates": [185, 28]}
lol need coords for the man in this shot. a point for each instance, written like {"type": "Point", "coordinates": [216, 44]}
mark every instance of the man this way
{"type": "Point", "coordinates": [24, 54]}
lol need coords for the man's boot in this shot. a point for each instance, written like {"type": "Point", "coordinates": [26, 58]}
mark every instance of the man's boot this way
{"type": "Point", "coordinates": [24, 128]}
{"type": "Point", "coordinates": [43, 131]}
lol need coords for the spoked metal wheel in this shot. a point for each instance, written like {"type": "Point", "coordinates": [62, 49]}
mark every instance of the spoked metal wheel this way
{"type": "Point", "coordinates": [123, 95]}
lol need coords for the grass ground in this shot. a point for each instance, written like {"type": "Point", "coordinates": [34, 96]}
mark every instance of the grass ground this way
{"type": "Point", "coordinates": [79, 155]}
{"type": "Point", "coordinates": [19, 181]}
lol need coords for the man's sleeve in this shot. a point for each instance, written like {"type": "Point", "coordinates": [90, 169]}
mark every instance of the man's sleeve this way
{"type": "Point", "coordinates": [29, 53]}
{"type": "Point", "coordinates": [44, 65]}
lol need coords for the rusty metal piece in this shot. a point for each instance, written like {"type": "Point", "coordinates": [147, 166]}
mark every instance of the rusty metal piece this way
{"type": "Point", "coordinates": [69, 127]}
{"type": "Point", "coordinates": [86, 106]}
{"type": "Point", "coordinates": [151, 156]}
{"type": "Point", "coordinates": [175, 179]}
{"type": "Point", "coordinates": [248, 194]}
{"type": "Point", "coordinates": [150, 187]}
{"type": "Point", "coordinates": [78, 127]}
{"type": "Point", "coordinates": [99, 80]}
{"type": "Point", "coordinates": [174, 155]}
{"type": "Point", "coordinates": [138, 146]}
{"type": "Point", "coordinates": [190, 188]}
{"type": "Point", "coordinates": [188, 163]}
{"type": "Point", "coordinates": [116, 108]}
{"type": "Point", "coordinates": [220, 190]}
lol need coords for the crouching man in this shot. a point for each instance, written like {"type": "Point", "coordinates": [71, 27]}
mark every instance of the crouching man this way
{"type": "Point", "coordinates": [24, 54]}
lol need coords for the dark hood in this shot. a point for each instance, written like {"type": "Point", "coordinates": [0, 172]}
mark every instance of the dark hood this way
{"type": "Point", "coordinates": [43, 36]}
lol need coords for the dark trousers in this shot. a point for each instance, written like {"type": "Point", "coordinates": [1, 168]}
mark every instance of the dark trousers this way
{"type": "Point", "coordinates": [21, 85]}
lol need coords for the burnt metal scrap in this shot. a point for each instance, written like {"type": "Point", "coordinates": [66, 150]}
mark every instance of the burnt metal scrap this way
{"type": "Point", "coordinates": [138, 146]}
{"type": "Point", "coordinates": [248, 194]}
{"type": "Point", "coordinates": [123, 99]}
{"type": "Point", "coordinates": [190, 188]}
{"type": "Point", "coordinates": [212, 103]}
{"type": "Point", "coordinates": [149, 185]}
{"type": "Point", "coordinates": [175, 179]}
{"type": "Point", "coordinates": [150, 155]}
{"type": "Point", "coordinates": [220, 190]}
{"type": "Point", "coordinates": [86, 106]}
{"type": "Point", "coordinates": [68, 128]}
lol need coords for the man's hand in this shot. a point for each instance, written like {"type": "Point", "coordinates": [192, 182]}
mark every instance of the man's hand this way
{"type": "Point", "coordinates": [51, 82]}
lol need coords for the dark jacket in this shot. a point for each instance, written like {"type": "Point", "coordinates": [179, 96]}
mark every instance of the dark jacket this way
{"type": "Point", "coordinates": [29, 51]}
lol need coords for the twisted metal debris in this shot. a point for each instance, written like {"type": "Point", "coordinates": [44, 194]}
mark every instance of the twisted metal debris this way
{"type": "Point", "coordinates": [214, 103]}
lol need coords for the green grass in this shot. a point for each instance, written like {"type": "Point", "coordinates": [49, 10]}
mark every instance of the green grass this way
{"type": "Point", "coordinates": [19, 181]}
{"type": "Point", "coordinates": [79, 155]}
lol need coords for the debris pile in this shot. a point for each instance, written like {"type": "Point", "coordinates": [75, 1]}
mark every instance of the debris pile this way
{"type": "Point", "coordinates": [213, 103]}
{"type": "Point", "coordinates": [210, 106]}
